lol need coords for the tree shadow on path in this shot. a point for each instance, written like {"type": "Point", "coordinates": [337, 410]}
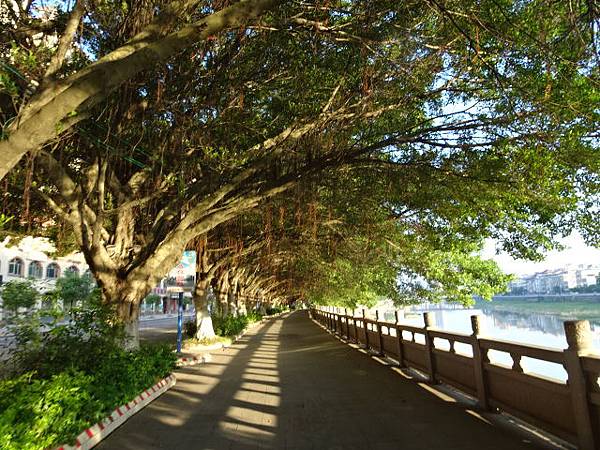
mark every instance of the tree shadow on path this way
{"type": "Point", "coordinates": [289, 385]}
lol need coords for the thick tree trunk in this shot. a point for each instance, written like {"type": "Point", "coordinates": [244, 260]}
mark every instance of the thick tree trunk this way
{"type": "Point", "coordinates": [129, 314]}
{"type": "Point", "coordinates": [126, 296]}
{"type": "Point", "coordinates": [232, 301]}
{"type": "Point", "coordinates": [242, 309]}
{"type": "Point", "coordinates": [204, 323]}
{"type": "Point", "coordinates": [223, 306]}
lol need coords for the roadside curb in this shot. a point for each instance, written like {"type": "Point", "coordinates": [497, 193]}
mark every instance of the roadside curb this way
{"type": "Point", "coordinates": [91, 436]}
{"type": "Point", "coordinates": [192, 361]}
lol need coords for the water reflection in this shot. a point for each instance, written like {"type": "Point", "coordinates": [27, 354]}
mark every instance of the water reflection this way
{"type": "Point", "coordinates": [540, 322]}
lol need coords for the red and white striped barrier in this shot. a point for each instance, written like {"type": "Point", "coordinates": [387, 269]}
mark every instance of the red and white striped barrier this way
{"type": "Point", "coordinates": [94, 434]}
{"type": "Point", "coordinates": [193, 360]}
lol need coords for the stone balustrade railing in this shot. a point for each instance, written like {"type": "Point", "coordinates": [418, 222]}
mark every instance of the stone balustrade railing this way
{"type": "Point", "coordinates": [568, 410]}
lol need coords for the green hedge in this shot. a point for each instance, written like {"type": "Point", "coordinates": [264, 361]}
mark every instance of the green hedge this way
{"type": "Point", "coordinates": [276, 310]}
{"type": "Point", "coordinates": [38, 413]}
{"type": "Point", "coordinates": [234, 325]}
{"type": "Point", "coordinates": [74, 377]}
{"type": "Point", "coordinates": [227, 326]}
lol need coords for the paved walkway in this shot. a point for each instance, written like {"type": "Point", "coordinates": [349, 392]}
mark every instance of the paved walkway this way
{"type": "Point", "coordinates": [290, 385]}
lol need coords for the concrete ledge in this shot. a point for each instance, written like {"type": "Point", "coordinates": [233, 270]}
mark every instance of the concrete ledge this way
{"type": "Point", "coordinates": [91, 436]}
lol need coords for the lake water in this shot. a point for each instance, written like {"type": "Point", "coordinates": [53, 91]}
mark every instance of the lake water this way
{"type": "Point", "coordinates": [534, 329]}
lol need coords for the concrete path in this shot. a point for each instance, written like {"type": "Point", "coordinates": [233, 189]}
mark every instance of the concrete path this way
{"type": "Point", "coordinates": [290, 385]}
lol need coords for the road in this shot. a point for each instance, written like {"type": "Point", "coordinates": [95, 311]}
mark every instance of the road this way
{"type": "Point", "coordinates": [289, 385]}
{"type": "Point", "coordinates": [161, 329]}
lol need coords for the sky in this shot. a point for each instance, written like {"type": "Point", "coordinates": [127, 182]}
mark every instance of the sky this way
{"type": "Point", "coordinates": [576, 252]}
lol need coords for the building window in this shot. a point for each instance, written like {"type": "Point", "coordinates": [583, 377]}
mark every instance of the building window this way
{"type": "Point", "coordinates": [72, 269]}
{"type": "Point", "coordinates": [52, 271]}
{"type": "Point", "coordinates": [15, 267]}
{"type": "Point", "coordinates": [35, 270]}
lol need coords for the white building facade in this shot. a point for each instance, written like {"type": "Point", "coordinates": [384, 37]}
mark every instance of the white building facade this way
{"type": "Point", "coordinates": [31, 258]}
{"type": "Point", "coordinates": [556, 281]}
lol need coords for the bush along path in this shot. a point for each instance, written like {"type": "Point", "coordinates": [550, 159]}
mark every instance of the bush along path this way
{"type": "Point", "coordinates": [227, 329]}
{"type": "Point", "coordinates": [74, 376]}
{"type": "Point", "coordinates": [233, 327]}
{"type": "Point", "coordinates": [94, 434]}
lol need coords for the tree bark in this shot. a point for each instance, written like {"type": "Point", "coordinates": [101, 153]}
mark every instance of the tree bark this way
{"type": "Point", "coordinates": [66, 40]}
{"type": "Point", "coordinates": [242, 308]}
{"type": "Point", "coordinates": [232, 301]}
{"type": "Point", "coordinates": [204, 323]}
{"type": "Point", "coordinates": [129, 314]}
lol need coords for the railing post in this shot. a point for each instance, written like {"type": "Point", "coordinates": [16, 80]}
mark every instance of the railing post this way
{"type": "Point", "coordinates": [356, 340]}
{"type": "Point", "coordinates": [334, 317]}
{"type": "Point", "coordinates": [366, 329]}
{"type": "Point", "coordinates": [428, 320]}
{"type": "Point", "coordinates": [579, 340]}
{"type": "Point", "coordinates": [347, 324]}
{"type": "Point", "coordinates": [399, 342]}
{"type": "Point", "coordinates": [379, 333]}
{"type": "Point", "coordinates": [479, 359]}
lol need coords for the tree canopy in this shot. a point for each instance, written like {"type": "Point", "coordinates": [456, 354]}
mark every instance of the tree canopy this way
{"type": "Point", "coordinates": [405, 132]}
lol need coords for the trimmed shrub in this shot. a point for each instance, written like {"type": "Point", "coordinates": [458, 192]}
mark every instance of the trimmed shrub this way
{"type": "Point", "coordinates": [233, 325]}
{"type": "Point", "coordinates": [77, 373]}
{"type": "Point", "coordinates": [224, 326]}
{"type": "Point", "coordinates": [41, 413]}
{"type": "Point", "coordinates": [19, 294]}
{"type": "Point", "coordinates": [275, 310]}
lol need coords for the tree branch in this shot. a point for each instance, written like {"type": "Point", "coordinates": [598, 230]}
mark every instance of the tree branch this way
{"type": "Point", "coordinates": [65, 42]}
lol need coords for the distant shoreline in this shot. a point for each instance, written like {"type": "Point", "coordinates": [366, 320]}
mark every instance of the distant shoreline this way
{"type": "Point", "coordinates": [571, 307]}
{"type": "Point", "coordinates": [587, 297]}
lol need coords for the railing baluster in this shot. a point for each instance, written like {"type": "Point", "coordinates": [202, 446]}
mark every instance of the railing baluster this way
{"type": "Point", "coordinates": [347, 324]}
{"type": "Point", "coordinates": [516, 362]}
{"type": "Point", "coordinates": [356, 339]}
{"type": "Point", "coordinates": [379, 335]}
{"type": "Point", "coordinates": [366, 328]}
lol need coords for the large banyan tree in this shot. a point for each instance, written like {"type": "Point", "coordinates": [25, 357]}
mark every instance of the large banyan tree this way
{"type": "Point", "coordinates": [153, 123]}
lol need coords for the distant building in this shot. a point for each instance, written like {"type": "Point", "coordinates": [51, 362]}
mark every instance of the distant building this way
{"type": "Point", "coordinates": [556, 281]}
{"type": "Point", "coordinates": [31, 258]}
